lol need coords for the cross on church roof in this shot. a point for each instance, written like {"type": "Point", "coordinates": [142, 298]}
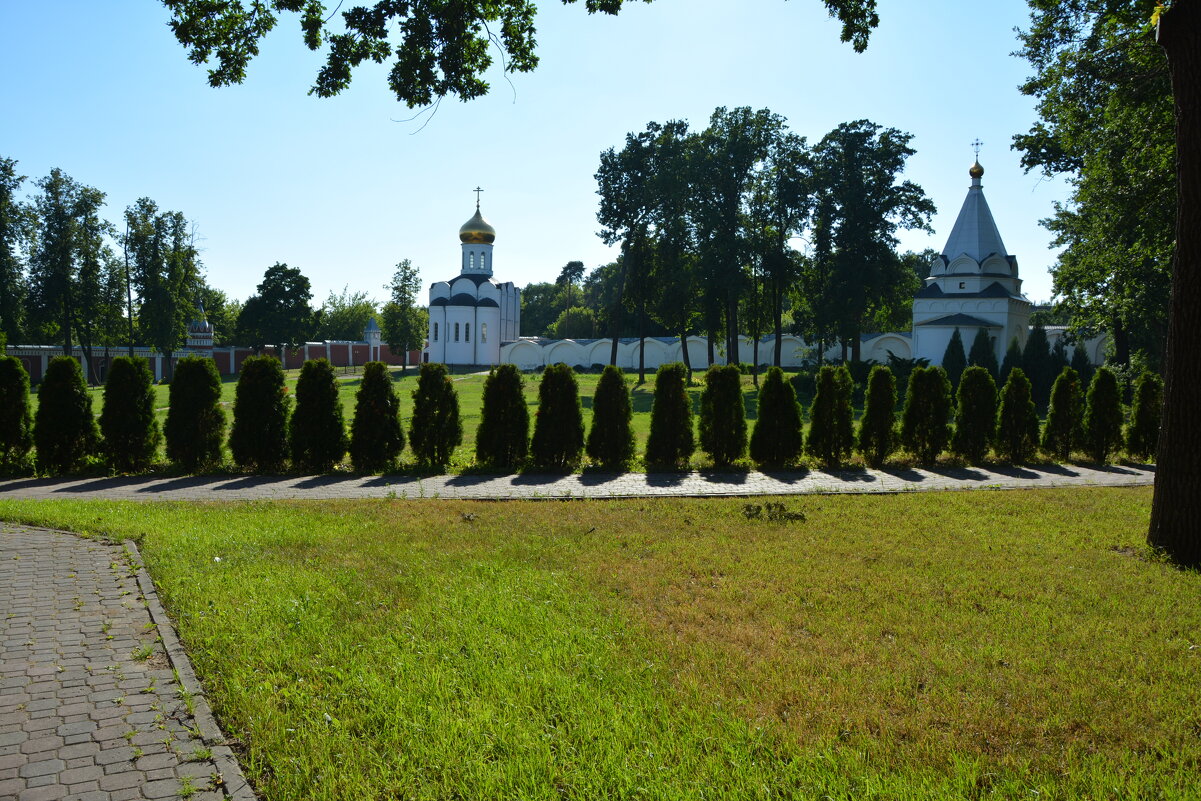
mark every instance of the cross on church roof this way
{"type": "Point", "coordinates": [976, 146]}
{"type": "Point", "coordinates": [477, 191]}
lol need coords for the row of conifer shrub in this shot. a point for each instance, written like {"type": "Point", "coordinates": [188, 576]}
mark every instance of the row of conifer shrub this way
{"type": "Point", "coordinates": [270, 429]}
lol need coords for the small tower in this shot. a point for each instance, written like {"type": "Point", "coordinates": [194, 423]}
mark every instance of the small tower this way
{"type": "Point", "coordinates": [200, 334]}
{"type": "Point", "coordinates": [373, 336]}
{"type": "Point", "coordinates": [477, 236]}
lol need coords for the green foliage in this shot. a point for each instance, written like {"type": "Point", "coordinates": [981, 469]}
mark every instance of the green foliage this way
{"type": "Point", "coordinates": [404, 323]}
{"type": "Point", "coordinates": [344, 316]}
{"type": "Point", "coordinates": [574, 323]}
{"type": "Point", "coordinates": [954, 360]}
{"type": "Point", "coordinates": [975, 414]}
{"type": "Point", "coordinates": [195, 424]}
{"type": "Point", "coordinates": [722, 426]}
{"type": "Point", "coordinates": [1064, 430]}
{"type": "Point", "coordinates": [279, 314]}
{"type": "Point", "coordinates": [1081, 364]}
{"type": "Point", "coordinates": [611, 437]}
{"type": "Point", "coordinates": [1142, 436]}
{"type": "Point", "coordinates": [435, 430]}
{"type": "Point", "coordinates": [127, 422]}
{"type": "Point", "coordinates": [831, 418]}
{"type": "Point", "coordinates": [1013, 358]}
{"type": "Point", "coordinates": [671, 440]}
{"type": "Point", "coordinates": [558, 439]}
{"type": "Point", "coordinates": [877, 429]}
{"type": "Point", "coordinates": [925, 431]}
{"type": "Point", "coordinates": [258, 440]}
{"type": "Point", "coordinates": [16, 420]}
{"type": "Point", "coordinates": [64, 430]}
{"type": "Point", "coordinates": [776, 440]}
{"type": "Point", "coordinates": [983, 353]}
{"type": "Point", "coordinates": [1102, 416]}
{"type": "Point", "coordinates": [376, 436]}
{"type": "Point", "coordinates": [1017, 420]}
{"type": "Point", "coordinates": [1037, 364]}
{"type": "Point", "coordinates": [13, 286]}
{"type": "Point", "coordinates": [317, 433]}
{"type": "Point", "coordinates": [503, 437]}
{"type": "Point", "coordinates": [164, 272]}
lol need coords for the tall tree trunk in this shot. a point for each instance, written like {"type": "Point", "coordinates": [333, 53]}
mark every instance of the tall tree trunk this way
{"type": "Point", "coordinates": [755, 362]}
{"type": "Point", "coordinates": [709, 346]}
{"type": "Point", "coordinates": [642, 342]}
{"type": "Point", "coordinates": [1121, 343]}
{"type": "Point", "coordinates": [684, 350]}
{"type": "Point", "coordinates": [68, 313]}
{"type": "Point", "coordinates": [615, 319]}
{"type": "Point", "coordinates": [778, 313]}
{"type": "Point", "coordinates": [128, 288]}
{"type": "Point", "coordinates": [857, 347]}
{"type": "Point", "coordinates": [732, 327]}
{"type": "Point", "coordinates": [1176, 508]}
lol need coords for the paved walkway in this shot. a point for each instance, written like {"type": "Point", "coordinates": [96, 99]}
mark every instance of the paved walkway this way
{"type": "Point", "coordinates": [91, 675]}
{"type": "Point", "coordinates": [586, 485]}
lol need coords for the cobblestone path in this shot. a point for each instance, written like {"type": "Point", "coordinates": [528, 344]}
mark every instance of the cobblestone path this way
{"type": "Point", "coordinates": [90, 706]}
{"type": "Point", "coordinates": [579, 485]}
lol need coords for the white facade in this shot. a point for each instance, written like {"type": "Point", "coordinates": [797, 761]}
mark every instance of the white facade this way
{"type": "Point", "coordinates": [471, 315]}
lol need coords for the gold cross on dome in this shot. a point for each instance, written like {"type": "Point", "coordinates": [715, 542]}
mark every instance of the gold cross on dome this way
{"type": "Point", "coordinates": [477, 191]}
{"type": "Point", "coordinates": [976, 146]}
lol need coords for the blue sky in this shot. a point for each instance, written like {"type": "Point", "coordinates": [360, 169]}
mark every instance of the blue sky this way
{"type": "Point", "coordinates": [346, 187]}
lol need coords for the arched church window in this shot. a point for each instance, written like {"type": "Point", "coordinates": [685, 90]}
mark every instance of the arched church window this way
{"type": "Point", "coordinates": [456, 332]}
{"type": "Point", "coordinates": [435, 332]}
{"type": "Point", "coordinates": [466, 332]}
{"type": "Point", "coordinates": [483, 332]}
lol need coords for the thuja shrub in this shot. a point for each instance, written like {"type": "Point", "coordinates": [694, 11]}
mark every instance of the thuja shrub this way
{"type": "Point", "coordinates": [1017, 421]}
{"type": "Point", "coordinates": [1064, 429]}
{"type": "Point", "coordinates": [64, 430]}
{"type": "Point", "coordinates": [195, 424]}
{"type": "Point", "coordinates": [983, 355]}
{"type": "Point", "coordinates": [671, 442]}
{"type": "Point", "coordinates": [776, 440]}
{"type": "Point", "coordinates": [722, 426]}
{"type": "Point", "coordinates": [1081, 364]}
{"type": "Point", "coordinates": [503, 437]}
{"type": "Point", "coordinates": [558, 441]}
{"type": "Point", "coordinates": [127, 423]}
{"type": "Point", "coordinates": [975, 414]}
{"type": "Point", "coordinates": [611, 437]}
{"type": "Point", "coordinates": [954, 360]}
{"type": "Point", "coordinates": [376, 436]}
{"type": "Point", "coordinates": [259, 438]}
{"type": "Point", "coordinates": [831, 419]}
{"type": "Point", "coordinates": [877, 437]}
{"type": "Point", "coordinates": [925, 430]}
{"type": "Point", "coordinates": [1013, 358]}
{"type": "Point", "coordinates": [1142, 436]}
{"type": "Point", "coordinates": [16, 419]}
{"type": "Point", "coordinates": [1102, 416]}
{"type": "Point", "coordinates": [435, 430]}
{"type": "Point", "coordinates": [317, 432]}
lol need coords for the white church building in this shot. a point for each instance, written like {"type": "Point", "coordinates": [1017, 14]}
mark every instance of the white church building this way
{"type": "Point", "coordinates": [973, 284]}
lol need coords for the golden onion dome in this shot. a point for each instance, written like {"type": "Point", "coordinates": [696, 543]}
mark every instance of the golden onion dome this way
{"type": "Point", "coordinates": [976, 171]}
{"type": "Point", "coordinates": [477, 230]}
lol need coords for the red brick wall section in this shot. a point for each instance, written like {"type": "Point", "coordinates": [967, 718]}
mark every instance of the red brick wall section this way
{"type": "Point", "coordinates": [222, 360]}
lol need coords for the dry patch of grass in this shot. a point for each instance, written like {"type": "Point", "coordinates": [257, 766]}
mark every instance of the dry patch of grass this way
{"type": "Point", "coordinates": [908, 646]}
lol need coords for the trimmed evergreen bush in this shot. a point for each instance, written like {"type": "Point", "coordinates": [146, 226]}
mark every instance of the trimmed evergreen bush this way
{"type": "Point", "coordinates": [722, 427]}
{"type": "Point", "coordinates": [1017, 420]}
{"type": "Point", "coordinates": [1036, 363]}
{"type": "Point", "coordinates": [558, 441]}
{"type": "Point", "coordinates": [258, 440]}
{"type": "Point", "coordinates": [831, 419]}
{"type": "Point", "coordinates": [1059, 358]}
{"type": "Point", "coordinates": [611, 437]}
{"type": "Point", "coordinates": [16, 419]}
{"type": "Point", "coordinates": [64, 430]}
{"type": "Point", "coordinates": [503, 437]}
{"type": "Point", "coordinates": [975, 414]}
{"type": "Point", "coordinates": [671, 440]}
{"type": "Point", "coordinates": [376, 436]}
{"type": "Point", "coordinates": [877, 430]}
{"type": "Point", "coordinates": [435, 430]}
{"type": "Point", "coordinates": [983, 354]}
{"type": "Point", "coordinates": [1013, 358]}
{"type": "Point", "coordinates": [954, 360]}
{"type": "Point", "coordinates": [195, 425]}
{"type": "Point", "coordinates": [1142, 436]}
{"type": "Point", "coordinates": [776, 440]}
{"type": "Point", "coordinates": [1081, 364]}
{"type": "Point", "coordinates": [127, 423]}
{"type": "Point", "coordinates": [317, 432]}
{"type": "Point", "coordinates": [1102, 416]}
{"type": "Point", "coordinates": [925, 426]}
{"type": "Point", "coordinates": [1064, 430]}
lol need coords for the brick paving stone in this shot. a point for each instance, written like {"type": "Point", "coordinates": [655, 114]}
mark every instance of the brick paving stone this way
{"type": "Point", "coordinates": [71, 695]}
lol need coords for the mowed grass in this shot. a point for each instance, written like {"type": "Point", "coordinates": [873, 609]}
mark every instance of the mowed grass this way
{"type": "Point", "coordinates": [932, 645]}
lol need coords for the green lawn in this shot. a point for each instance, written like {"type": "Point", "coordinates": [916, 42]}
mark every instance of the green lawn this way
{"type": "Point", "coordinates": [932, 645]}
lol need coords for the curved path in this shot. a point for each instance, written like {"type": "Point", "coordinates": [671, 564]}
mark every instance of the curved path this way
{"type": "Point", "coordinates": [588, 484]}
